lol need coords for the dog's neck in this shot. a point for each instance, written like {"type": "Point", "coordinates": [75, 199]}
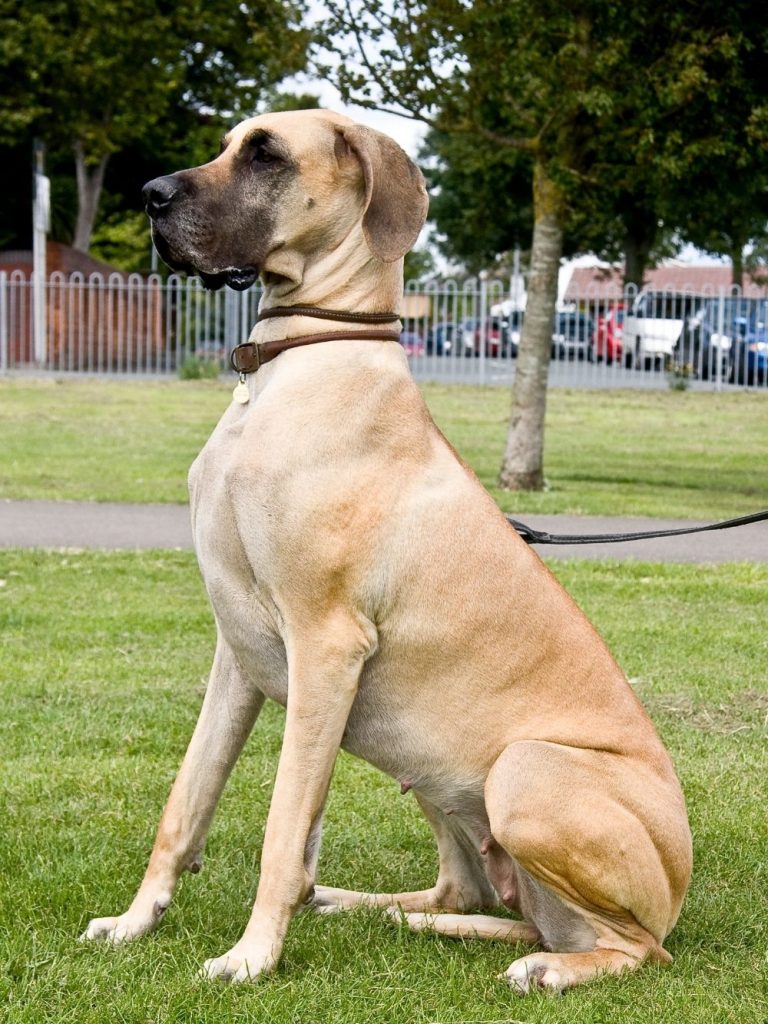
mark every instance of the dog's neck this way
{"type": "Point", "coordinates": [349, 278]}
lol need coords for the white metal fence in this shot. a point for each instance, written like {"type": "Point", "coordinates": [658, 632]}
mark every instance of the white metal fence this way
{"type": "Point", "coordinates": [453, 332]}
{"type": "Point", "coordinates": [120, 324]}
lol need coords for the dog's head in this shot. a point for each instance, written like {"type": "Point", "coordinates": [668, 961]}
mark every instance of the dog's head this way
{"type": "Point", "coordinates": [286, 188]}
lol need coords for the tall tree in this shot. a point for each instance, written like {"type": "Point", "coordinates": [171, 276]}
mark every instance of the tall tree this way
{"type": "Point", "coordinates": [480, 198]}
{"type": "Point", "coordinates": [730, 222]}
{"type": "Point", "coordinates": [94, 76]}
{"type": "Point", "coordinates": [481, 207]}
{"type": "Point", "coordinates": [719, 198]}
{"type": "Point", "coordinates": [530, 77]}
{"type": "Point", "coordinates": [593, 93]}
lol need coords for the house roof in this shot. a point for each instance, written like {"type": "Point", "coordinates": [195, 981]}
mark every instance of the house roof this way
{"type": "Point", "coordinates": [59, 258]}
{"type": "Point", "coordinates": [607, 283]}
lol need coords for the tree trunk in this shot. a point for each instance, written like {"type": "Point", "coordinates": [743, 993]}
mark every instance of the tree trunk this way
{"type": "Point", "coordinates": [636, 253]}
{"type": "Point", "coordinates": [89, 184]}
{"type": "Point", "coordinates": [640, 229]}
{"type": "Point", "coordinates": [737, 265]}
{"type": "Point", "coordinates": [523, 465]}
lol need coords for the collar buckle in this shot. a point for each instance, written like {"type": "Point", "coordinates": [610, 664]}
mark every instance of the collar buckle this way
{"type": "Point", "coordinates": [246, 358]}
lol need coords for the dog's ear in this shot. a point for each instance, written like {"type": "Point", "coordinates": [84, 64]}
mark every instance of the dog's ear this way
{"type": "Point", "coordinates": [396, 198]}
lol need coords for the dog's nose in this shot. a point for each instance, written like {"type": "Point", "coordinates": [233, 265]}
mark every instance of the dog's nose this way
{"type": "Point", "coordinates": [159, 193]}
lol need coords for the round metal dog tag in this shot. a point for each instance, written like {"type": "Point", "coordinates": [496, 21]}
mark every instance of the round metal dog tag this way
{"type": "Point", "coordinates": [241, 393]}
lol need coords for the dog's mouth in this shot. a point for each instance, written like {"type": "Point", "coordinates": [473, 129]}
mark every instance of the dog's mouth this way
{"type": "Point", "coordinates": [238, 278]}
{"type": "Point", "coordinates": [241, 278]}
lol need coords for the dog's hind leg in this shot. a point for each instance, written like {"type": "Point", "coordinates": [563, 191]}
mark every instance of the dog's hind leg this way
{"type": "Point", "coordinates": [462, 883]}
{"type": "Point", "coordinates": [469, 926]}
{"type": "Point", "coordinates": [229, 710]}
{"type": "Point", "coordinates": [602, 851]}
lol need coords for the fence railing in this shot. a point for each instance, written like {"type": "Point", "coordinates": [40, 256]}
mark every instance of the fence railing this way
{"type": "Point", "coordinates": [120, 324]}
{"type": "Point", "coordinates": [465, 332]}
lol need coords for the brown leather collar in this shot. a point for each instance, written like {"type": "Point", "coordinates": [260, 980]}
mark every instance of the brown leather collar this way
{"type": "Point", "coordinates": [249, 356]}
{"type": "Point", "coordinates": [342, 315]}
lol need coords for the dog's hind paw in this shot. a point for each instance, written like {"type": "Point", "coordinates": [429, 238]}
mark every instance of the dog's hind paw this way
{"type": "Point", "coordinates": [327, 900]}
{"type": "Point", "coordinates": [556, 972]}
{"type": "Point", "coordinates": [528, 974]}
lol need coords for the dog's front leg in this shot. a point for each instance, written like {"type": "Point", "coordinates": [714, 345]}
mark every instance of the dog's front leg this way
{"type": "Point", "coordinates": [324, 665]}
{"type": "Point", "coordinates": [229, 710]}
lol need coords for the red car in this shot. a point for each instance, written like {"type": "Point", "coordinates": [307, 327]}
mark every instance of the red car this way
{"type": "Point", "coordinates": [608, 331]}
{"type": "Point", "coordinates": [412, 342]}
{"type": "Point", "coordinates": [494, 342]}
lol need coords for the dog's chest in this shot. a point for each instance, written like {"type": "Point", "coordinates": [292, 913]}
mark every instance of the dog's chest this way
{"type": "Point", "coordinates": [241, 602]}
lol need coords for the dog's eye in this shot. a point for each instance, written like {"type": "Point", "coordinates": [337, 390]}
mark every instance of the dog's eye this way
{"type": "Point", "coordinates": [262, 155]}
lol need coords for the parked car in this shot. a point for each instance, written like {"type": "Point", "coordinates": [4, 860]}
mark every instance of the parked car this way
{"type": "Point", "coordinates": [749, 351]}
{"type": "Point", "coordinates": [572, 336]}
{"type": "Point", "coordinates": [463, 339]}
{"type": "Point", "coordinates": [502, 336]}
{"type": "Point", "coordinates": [513, 328]}
{"type": "Point", "coordinates": [607, 339]}
{"type": "Point", "coordinates": [412, 342]}
{"type": "Point", "coordinates": [495, 337]}
{"type": "Point", "coordinates": [705, 344]}
{"type": "Point", "coordinates": [441, 338]}
{"type": "Point", "coordinates": [659, 327]}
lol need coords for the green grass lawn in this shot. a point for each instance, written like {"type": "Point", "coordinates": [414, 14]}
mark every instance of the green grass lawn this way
{"type": "Point", "coordinates": [103, 659]}
{"type": "Point", "coordinates": [665, 453]}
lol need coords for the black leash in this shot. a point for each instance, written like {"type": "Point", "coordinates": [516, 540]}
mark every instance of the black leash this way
{"type": "Point", "coordinates": [531, 536]}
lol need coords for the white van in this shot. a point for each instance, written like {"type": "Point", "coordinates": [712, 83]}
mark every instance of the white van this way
{"type": "Point", "coordinates": [655, 325]}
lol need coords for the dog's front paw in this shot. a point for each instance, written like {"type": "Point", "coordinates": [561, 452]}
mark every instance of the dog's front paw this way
{"type": "Point", "coordinates": [241, 963]}
{"type": "Point", "coordinates": [128, 926]}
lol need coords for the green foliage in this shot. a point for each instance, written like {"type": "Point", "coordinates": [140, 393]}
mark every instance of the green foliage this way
{"type": "Point", "coordinates": [480, 200]}
{"type": "Point", "coordinates": [679, 377]}
{"type": "Point", "coordinates": [644, 116]}
{"type": "Point", "coordinates": [277, 99]}
{"type": "Point", "coordinates": [122, 240]}
{"type": "Point", "coordinates": [103, 76]}
{"type": "Point", "coordinates": [102, 73]}
{"type": "Point", "coordinates": [199, 368]}
{"type": "Point", "coordinates": [419, 265]}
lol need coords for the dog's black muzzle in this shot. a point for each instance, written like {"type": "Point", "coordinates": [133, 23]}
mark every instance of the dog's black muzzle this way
{"type": "Point", "coordinates": [163, 201]}
{"type": "Point", "coordinates": [159, 194]}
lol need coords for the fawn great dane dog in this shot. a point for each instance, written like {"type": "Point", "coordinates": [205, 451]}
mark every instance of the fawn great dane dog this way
{"type": "Point", "coordinates": [361, 576]}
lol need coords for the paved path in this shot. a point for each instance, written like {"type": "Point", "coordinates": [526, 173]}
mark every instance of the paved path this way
{"type": "Point", "coordinates": [70, 524]}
